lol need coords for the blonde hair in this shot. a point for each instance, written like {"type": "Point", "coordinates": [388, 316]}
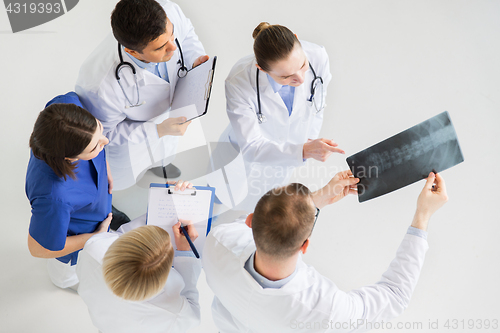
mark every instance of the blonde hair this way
{"type": "Point", "coordinates": [136, 265]}
{"type": "Point", "coordinates": [272, 43]}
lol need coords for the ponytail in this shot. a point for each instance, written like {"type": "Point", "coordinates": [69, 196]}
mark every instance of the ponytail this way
{"type": "Point", "coordinates": [272, 43]}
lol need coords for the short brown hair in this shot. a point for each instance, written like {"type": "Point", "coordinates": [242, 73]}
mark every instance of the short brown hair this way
{"type": "Point", "coordinates": [137, 264]}
{"type": "Point", "coordinates": [272, 43]}
{"type": "Point", "coordinates": [283, 220]}
{"type": "Point", "coordinates": [60, 131]}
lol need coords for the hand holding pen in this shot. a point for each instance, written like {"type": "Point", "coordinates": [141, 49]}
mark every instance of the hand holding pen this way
{"type": "Point", "coordinates": [182, 242]}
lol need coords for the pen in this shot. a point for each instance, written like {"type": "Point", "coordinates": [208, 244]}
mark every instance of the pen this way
{"type": "Point", "coordinates": [184, 231]}
{"type": "Point", "coordinates": [164, 174]}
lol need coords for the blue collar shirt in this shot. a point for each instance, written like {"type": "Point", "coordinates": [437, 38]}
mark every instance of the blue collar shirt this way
{"type": "Point", "coordinates": [286, 93]}
{"type": "Point", "coordinates": [263, 281]}
{"type": "Point", "coordinates": [157, 68]}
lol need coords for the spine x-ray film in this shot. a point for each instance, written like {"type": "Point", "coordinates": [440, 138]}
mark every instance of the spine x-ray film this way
{"type": "Point", "coordinates": [406, 157]}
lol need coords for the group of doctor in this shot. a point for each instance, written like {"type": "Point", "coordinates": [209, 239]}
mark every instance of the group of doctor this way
{"type": "Point", "coordinates": [136, 278]}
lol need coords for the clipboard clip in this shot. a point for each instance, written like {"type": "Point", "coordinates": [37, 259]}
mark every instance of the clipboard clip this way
{"type": "Point", "coordinates": [208, 85]}
{"type": "Point", "coordinates": [193, 192]}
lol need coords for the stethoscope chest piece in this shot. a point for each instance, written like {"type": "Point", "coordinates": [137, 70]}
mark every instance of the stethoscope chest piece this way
{"type": "Point", "coordinates": [261, 118]}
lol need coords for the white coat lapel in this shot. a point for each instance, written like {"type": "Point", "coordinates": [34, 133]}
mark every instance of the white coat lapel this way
{"type": "Point", "coordinates": [172, 68]}
{"type": "Point", "coordinates": [271, 102]}
{"type": "Point", "coordinates": [301, 96]}
{"type": "Point", "coordinates": [275, 96]}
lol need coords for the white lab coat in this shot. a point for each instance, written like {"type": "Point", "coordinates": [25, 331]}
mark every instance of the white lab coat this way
{"type": "Point", "coordinates": [242, 305]}
{"type": "Point", "coordinates": [273, 149]}
{"type": "Point", "coordinates": [134, 143]}
{"type": "Point", "coordinates": [174, 309]}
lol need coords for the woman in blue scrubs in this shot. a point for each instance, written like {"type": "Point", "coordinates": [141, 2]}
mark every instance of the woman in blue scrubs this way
{"type": "Point", "coordinates": [68, 184]}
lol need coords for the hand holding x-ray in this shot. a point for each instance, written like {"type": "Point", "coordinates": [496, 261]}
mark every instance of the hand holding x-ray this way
{"type": "Point", "coordinates": [342, 184]}
{"type": "Point", "coordinates": [432, 197]}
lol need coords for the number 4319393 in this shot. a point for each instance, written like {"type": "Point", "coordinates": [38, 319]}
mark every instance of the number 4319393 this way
{"type": "Point", "coordinates": [32, 8]}
{"type": "Point", "coordinates": [471, 324]}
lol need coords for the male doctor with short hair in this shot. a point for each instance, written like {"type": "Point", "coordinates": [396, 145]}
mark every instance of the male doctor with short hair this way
{"type": "Point", "coordinates": [129, 80]}
{"type": "Point", "coordinates": [255, 269]}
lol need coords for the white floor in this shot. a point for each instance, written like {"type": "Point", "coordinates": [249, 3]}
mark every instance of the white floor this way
{"type": "Point", "coordinates": [394, 64]}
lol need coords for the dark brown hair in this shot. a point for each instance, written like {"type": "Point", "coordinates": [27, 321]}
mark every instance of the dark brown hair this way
{"type": "Point", "coordinates": [272, 43]}
{"type": "Point", "coordinates": [60, 131]}
{"type": "Point", "coordinates": [135, 23]}
{"type": "Point", "coordinates": [283, 219]}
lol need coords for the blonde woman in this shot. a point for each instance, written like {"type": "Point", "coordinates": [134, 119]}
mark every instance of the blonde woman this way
{"type": "Point", "coordinates": [140, 281]}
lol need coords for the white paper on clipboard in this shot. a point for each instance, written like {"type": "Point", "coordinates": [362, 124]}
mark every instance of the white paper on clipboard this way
{"type": "Point", "coordinates": [193, 90]}
{"type": "Point", "coordinates": [166, 207]}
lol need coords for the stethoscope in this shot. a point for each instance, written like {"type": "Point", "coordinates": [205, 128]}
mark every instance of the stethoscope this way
{"type": "Point", "coordinates": [315, 82]}
{"type": "Point", "coordinates": [181, 72]}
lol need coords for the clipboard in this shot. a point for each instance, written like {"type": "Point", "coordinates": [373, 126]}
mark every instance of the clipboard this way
{"type": "Point", "coordinates": [192, 92]}
{"type": "Point", "coordinates": [406, 158]}
{"type": "Point", "coordinates": [166, 206]}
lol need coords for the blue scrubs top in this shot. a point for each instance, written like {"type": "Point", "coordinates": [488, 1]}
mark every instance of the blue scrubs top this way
{"type": "Point", "coordinates": [62, 208]}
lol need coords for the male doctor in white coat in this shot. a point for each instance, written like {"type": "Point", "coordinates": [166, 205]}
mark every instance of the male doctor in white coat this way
{"type": "Point", "coordinates": [255, 269]}
{"type": "Point", "coordinates": [155, 40]}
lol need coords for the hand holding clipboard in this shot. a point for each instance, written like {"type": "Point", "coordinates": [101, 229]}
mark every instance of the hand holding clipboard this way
{"type": "Point", "coordinates": [192, 92]}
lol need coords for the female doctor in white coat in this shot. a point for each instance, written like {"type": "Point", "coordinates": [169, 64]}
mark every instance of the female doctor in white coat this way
{"type": "Point", "coordinates": [275, 102]}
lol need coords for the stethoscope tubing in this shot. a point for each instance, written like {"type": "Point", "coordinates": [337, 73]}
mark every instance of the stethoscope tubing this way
{"type": "Point", "coordinates": [260, 116]}
{"type": "Point", "coordinates": [182, 72]}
